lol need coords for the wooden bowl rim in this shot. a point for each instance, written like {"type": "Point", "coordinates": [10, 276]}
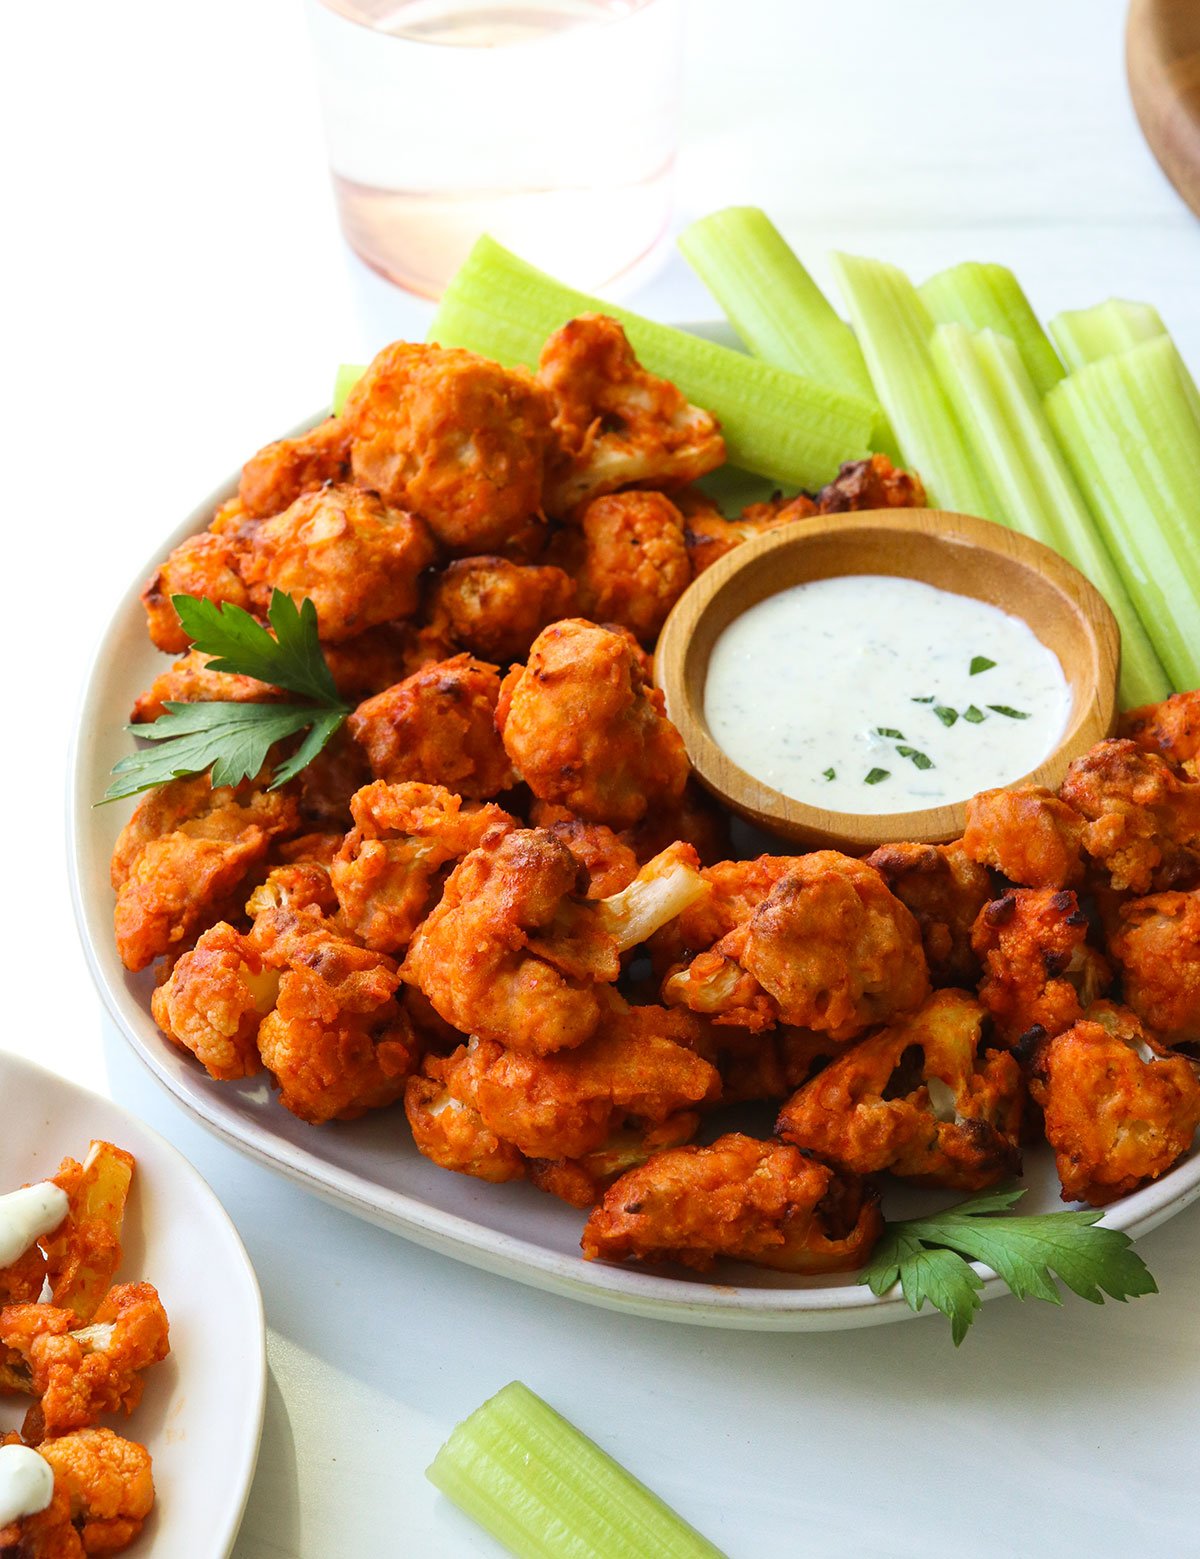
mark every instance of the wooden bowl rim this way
{"type": "Point", "coordinates": [1092, 678]}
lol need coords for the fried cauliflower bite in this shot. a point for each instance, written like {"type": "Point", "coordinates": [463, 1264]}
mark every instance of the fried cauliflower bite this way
{"type": "Point", "coordinates": [560, 1108]}
{"type": "Point", "coordinates": [495, 608]}
{"type": "Point", "coordinates": [206, 565]}
{"type": "Point", "coordinates": [79, 1374]}
{"type": "Point", "coordinates": [1116, 1114]}
{"type": "Point", "coordinates": [189, 681]}
{"type": "Point", "coordinates": [1171, 729]}
{"type": "Point", "coordinates": [355, 558]}
{"type": "Point", "coordinates": [1157, 951]}
{"type": "Point", "coordinates": [945, 890]}
{"type": "Point", "coordinates": [733, 891]}
{"type": "Point", "coordinates": [109, 1485]}
{"type": "Point", "coordinates": [695, 818]}
{"type": "Point", "coordinates": [438, 727]}
{"type": "Point", "coordinates": [616, 424]}
{"type": "Point", "coordinates": [871, 484]}
{"type": "Point", "coordinates": [709, 535]}
{"type": "Point", "coordinates": [47, 1535]}
{"type": "Point", "coordinates": [1038, 970]}
{"type": "Point", "coordinates": [513, 953]}
{"type": "Point", "coordinates": [762, 1066]}
{"type": "Point", "coordinates": [184, 855]}
{"type": "Point", "coordinates": [214, 1000]}
{"type": "Point", "coordinates": [610, 862]}
{"type": "Point", "coordinates": [923, 1098]}
{"type": "Point", "coordinates": [585, 729]}
{"type": "Point", "coordinates": [386, 871]}
{"type": "Point", "coordinates": [742, 1199]}
{"type": "Point", "coordinates": [1028, 835]}
{"type": "Point", "coordinates": [452, 437]}
{"type": "Point", "coordinates": [1142, 820]}
{"type": "Point", "coordinates": [635, 562]}
{"type": "Point", "coordinates": [279, 473]}
{"type": "Point", "coordinates": [830, 948]}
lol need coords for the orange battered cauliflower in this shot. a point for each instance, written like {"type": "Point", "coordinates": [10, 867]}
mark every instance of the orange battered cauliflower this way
{"type": "Point", "coordinates": [611, 863]}
{"type": "Point", "coordinates": [183, 856]}
{"type": "Point", "coordinates": [438, 726]}
{"type": "Point", "coordinates": [276, 476]}
{"type": "Point", "coordinates": [386, 872]}
{"type": "Point", "coordinates": [1028, 834]}
{"type": "Point", "coordinates": [1157, 951]}
{"type": "Point", "coordinates": [741, 1199]}
{"type": "Point", "coordinates": [452, 437]}
{"type": "Point", "coordinates": [109, 1485]}
{"type": "Point", "coordinates": [356, 559]}
{"type": "Point", "coordinates": [495, 608]}
{"type": "Point", "coordinates": [207, 565]}
{"type": "Point", "coordinates": [924, 1098]}
{"type": "Point", "coordinates": [616, 424]}
{"type": "Point", "coordinates": [634, 564]}
{"type": "Point", "coordinates": [1116, 1113]}
{"type": "Point", "coordinates": [1143, 821]}
{"type": "Point", "coordinates": [1039, 972]}
{"type": "Point", "coordinates": [945, 890]}
{"type": "Point", "coordinates": [586, 731]}
{"type": "Point", "coordinates": [1171, 729]}
{"type": "Point", "coordinates": [829, 948]}
{"type": "Point", "coordinates": [214, 1001]}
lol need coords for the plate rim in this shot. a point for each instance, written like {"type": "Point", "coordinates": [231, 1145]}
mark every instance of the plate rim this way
{"type": "Point", "coordinates": [626, 1289]}
{"type": "Point", "coordinates": [252, 1430]}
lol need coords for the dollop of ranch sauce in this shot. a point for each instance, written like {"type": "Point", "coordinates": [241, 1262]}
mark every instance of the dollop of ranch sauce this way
{"type": "Point", "coordinates": [26, 1215]}
{"type": "Point", "coordinates": [26, 1483]}
{"type": "Point", "coordinates": [869, 693]}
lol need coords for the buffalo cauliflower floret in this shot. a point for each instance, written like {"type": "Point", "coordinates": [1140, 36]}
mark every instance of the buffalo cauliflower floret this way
{"type": "Point", "coordinates": [1027, 834]}
{"type": "Point", "coordinates": [1142, 820]}
{"type": "Point", "coordinates": [1038, 970]}
{"type": "Point", "coordinates": [495, 608]}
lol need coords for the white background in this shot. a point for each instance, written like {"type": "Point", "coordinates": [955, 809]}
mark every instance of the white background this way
{"type": "Point", "coordinates": [175, 293]}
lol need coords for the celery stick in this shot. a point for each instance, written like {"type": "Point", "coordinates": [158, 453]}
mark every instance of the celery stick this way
{"type": "Point", "coordinates": [894, 328]}
{"type": "Point", "coordinates": [546, 1491]}
{"type": "Point", "coordinates": [1087, 335]}
{"type": "Point", "coordinates": [775, 306]}
{"type": "Point", "coordinates": [1132, 438]}
{"type": "Point", "coordinates": [771, 300]}
{"type": "Point", "coordinates": [344, 380]}
{"type": "Point", "coordinates": [989, 297]}
{"type": "Point", "coordinates": [1084, 336]}
{"type": "Point", "coordinates": [999, 407]}
{"type": "Point", "coordinates": [776, 424]}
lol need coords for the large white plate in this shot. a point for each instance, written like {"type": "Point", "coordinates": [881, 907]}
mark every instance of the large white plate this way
{"type": "Point", "coordinates": [201, 1415]}
{"type": "Point", "coordinates": [371, 1166]}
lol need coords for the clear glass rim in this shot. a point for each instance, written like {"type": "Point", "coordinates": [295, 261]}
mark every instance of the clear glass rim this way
{"type": "Point", "coordinates": [335, 9]}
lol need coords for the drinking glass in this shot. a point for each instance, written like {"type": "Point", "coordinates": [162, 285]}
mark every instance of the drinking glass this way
{"type": "Point", "coordinates": [550, 124]}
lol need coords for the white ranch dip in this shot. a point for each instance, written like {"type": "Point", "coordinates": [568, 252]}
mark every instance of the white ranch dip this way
{"type": "Point", "coordinates": [26, 1215]}
{"type": "Point", "coordinates": [857, 694]}
{"type": "Point", "coordinates": [26, 1483]}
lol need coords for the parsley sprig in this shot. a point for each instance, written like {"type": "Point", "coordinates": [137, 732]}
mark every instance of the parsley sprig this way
{"type": "Point", "coordinates": [931, 1258]}
{"type": "Point", "coordinates": [235, 740]}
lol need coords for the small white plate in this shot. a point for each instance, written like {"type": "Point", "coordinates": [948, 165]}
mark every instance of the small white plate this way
{"type": "Point", "coordinates": [370, 1166]}
{"type": "Point", "coordinates": [202, 1412]}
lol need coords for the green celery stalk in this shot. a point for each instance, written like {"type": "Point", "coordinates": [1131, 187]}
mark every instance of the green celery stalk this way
{"type": "Point", "coordinates": [997, 403]}
{"type": "Point", "coordinates": [774, 305]}
{"type": "Point", "coordinates": [894, 329]}
{"type": "Point", "coordinates": [776, 424]}
{"type": "Point", "coordinates": [344, 380]}
{"type": "Point", "coordinates": [1130, 432]}
{"type": "Point", "coordinates": [989, 297]}
{"type": "Point", "coordinates": [546, 1491]}
{"type": "Point", "coordinates": [1084, 336]}
{"type": "Point", "coordinates": [771, 300]}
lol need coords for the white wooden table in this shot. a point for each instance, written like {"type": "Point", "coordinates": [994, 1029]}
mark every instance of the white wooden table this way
{"type": "Point", "coordinates": [175, 293]}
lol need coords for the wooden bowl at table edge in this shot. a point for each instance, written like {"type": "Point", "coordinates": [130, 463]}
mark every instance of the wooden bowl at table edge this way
{"type": "Point", "coordinates": [952, 551]}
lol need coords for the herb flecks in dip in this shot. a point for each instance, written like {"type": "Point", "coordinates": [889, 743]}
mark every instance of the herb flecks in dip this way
{"type": "Point", "coordinates": [868, 693]}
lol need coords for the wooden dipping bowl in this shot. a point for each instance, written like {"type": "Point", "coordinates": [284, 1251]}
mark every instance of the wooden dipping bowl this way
{"type": "Point", "coordinates": [952, 551]}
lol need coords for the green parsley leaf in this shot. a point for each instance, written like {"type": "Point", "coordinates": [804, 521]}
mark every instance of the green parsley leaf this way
{"type": "Point", "coordinates": [945, 715]}
{"type": "Point", "coordinates": [1013, 714]}
{"type": "Point", "coordinates": [974, 715]}
{"type": "Point", "coordinates": [234, 740]}
{"type": "Point", "coordinates": [830, 774]}
{"type": "Point", "coordinates": [290, 658]}
{"type": "Point", "coordinates": [887, 730]}
{"type": "Point", "coordinates": [920, 759]}
{"type": "Point", "coordinates": [876, 775]}
{"type": "Point", "coordinates": [980, 663]}
{"type": "Point", "coordinates": [928, 700]}
{"type": "Point", "coordinates": [930, 1257]}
